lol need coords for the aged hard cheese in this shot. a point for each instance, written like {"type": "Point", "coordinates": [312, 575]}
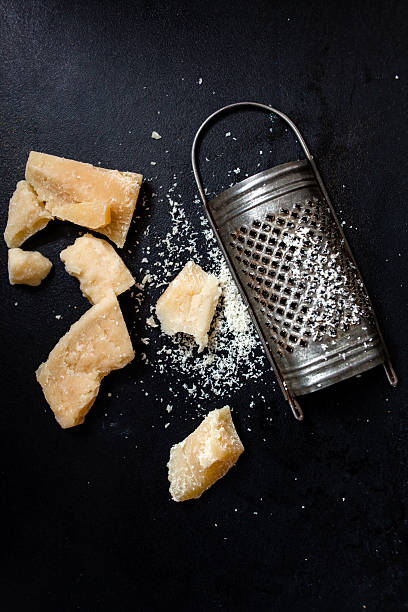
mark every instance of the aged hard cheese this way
{"type": "Point", "coordinates": [204, 456]}
{"type": "Point", "coordinates": [85, 194]}
{"type": "Point", "coordinates": [26, 216]}
{"type": "Point", "coordinates": [97, 266]}
{"type": "Point", "coordinates": [94, 346]}
{"type": "Point", "coordinates": [189, 303]}
{"type": "Point", "coordinates": [27, 267]}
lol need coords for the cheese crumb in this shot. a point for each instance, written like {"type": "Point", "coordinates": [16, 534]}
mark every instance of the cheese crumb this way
{"type": "Point", "coordinates": [156, 135]}
{"type": "Point", "coordinates": [151, 322]}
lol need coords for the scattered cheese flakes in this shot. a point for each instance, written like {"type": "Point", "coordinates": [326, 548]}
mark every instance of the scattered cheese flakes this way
{"type": "Point", "coordinates": [156, 135]}
{"type": "Point", "coordinates": [151, 322]}
{"type": "Point", "coordinates": [237, 170]}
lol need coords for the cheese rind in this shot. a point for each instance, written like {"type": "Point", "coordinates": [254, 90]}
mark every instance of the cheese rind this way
{"type": "Point", "coordinates": [188, 304]}
{"type": "Point", "coordinates": [26, 216]}
{"type": "Point", "coordinates": [97, 266]}
{"type": "Point", "coordinates": [65, 184]}
{"type": "Point", "coordinates": [95, 345]}
{"type": "Point", "coordinates": [204, 456]}
{"type": "Point", "coordinates": [27, 267]}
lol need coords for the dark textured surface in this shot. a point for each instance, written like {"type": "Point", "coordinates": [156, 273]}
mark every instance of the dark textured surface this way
{"type": "Point", "coordinates": [87, 520]}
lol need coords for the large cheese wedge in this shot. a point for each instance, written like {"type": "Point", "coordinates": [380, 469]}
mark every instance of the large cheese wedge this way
{"type": "Point", "coordinates": [27, 267]}
{"type": "Point", "coordinates": [68, 186]}
{"type": "Point", "coordinates": [188, 304]}
{"type": "Point", "coordinates": [95, 345]}
{"type": "Point", "coordinates": [204, 456]}
{"type": "Point", "coordinates": [26, 215]}
{"type": "Point", "coordinates": [97, 266]}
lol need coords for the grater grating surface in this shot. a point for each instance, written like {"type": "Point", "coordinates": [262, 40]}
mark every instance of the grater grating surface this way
{"type": "Point", "coordinates": [290, 259]}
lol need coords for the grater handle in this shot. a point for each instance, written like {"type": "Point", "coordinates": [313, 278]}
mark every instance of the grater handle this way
{"type": "Point", "coordinates": [265, 107]}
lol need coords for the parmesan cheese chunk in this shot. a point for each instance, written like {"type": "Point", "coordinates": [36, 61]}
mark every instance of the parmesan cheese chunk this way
{"type": "Point", "coordinates": [27, 267]}
{"type": "Point", "coordinates": [97, 266]}
{"type": "Point", "coordinates": [204, 456]}
{"type": "Point", "coordinates": [67, 186]}
{"type": "Point", "coordinates": [188, 304]}
{"type": "Point", "coordinates": [95, 345]}
{"type": "Point", "coordinates": [26, 216]}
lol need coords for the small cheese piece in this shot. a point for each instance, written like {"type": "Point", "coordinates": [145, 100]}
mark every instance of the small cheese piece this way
{"type": "Point", "coordinates": [27, 267]}
{"type": "Point", "coordinates": [188, 304]}
{"type": "Point", "coordinates": [67, 185]}
{"type": "Point", "coordinates": [94, 215]}
{"type": "Point", "coordinates": [26, 216]}
{"type": "Point", "coordinates": [204, 456]}
{"type": "Point", "coordinates": [97, 266]}
{"type": "Point", "coordinates": [95, 345]}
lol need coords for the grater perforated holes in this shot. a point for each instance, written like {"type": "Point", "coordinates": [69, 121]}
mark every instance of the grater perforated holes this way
{"type": "Point", "coordinates": [276, 250]}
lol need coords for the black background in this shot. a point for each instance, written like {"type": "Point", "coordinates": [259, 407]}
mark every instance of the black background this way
{"type": "Point", "coordinates": [87, 519]}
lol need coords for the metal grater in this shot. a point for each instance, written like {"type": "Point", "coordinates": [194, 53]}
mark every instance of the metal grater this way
{"type": "Point", "coordinates": [290, 259]}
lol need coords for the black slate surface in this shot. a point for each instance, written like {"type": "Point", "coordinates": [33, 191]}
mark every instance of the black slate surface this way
{"type": "Point", "coordinates": [86, 516]}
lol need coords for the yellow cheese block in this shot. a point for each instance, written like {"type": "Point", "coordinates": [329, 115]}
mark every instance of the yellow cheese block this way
{"type": "Point", "coordinates": [188, 304]}
{"type": "Point", "coordinates": [26, 216]}
{"type": "Point", "coordinates": [97, 266]}
{"type": "Point", "coordinates": [204, 456]}
{"type": "Point", "coordinates": [65, 185]}
{"type": "Point", "coordinates": [27, 267]}
{"type": "Point", "coordinates": [95, 345]}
